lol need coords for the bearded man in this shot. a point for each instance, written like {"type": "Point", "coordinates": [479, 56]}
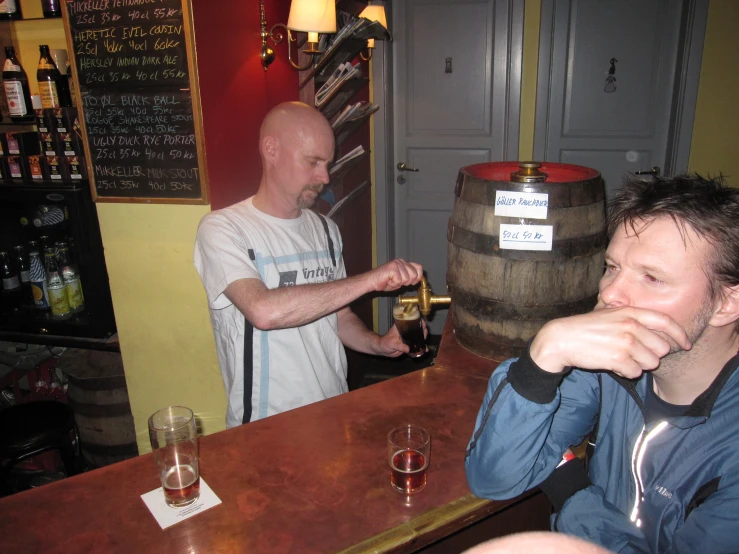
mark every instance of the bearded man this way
{"type": "Point", "coordinates": [650, 375]}
{"type": "Point", "coordinates": [274, 276]}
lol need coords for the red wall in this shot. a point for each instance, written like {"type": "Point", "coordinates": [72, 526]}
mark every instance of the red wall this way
{"type": "Point", "coordinates": [236, 92]}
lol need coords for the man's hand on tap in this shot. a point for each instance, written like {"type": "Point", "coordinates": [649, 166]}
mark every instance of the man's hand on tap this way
{"type": "Point", "coordinates": [395, 274]}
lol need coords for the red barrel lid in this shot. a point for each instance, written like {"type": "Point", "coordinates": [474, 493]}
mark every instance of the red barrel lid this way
{"type": "Point", "coordinates": [556, 172]}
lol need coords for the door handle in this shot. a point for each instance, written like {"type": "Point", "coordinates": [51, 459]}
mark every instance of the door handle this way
{"type": "Point", "coordinates": [402, 167]}
{"type": "Point", "coordinates": [654, 171]}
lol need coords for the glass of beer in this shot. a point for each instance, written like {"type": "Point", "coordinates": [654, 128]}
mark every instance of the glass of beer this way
{"type": "Point", "coordinates": [174, 441]}
{"type": "Point", "coordinates": [408, 321]}
{"type": "Point", "coordinates": [408, 449]}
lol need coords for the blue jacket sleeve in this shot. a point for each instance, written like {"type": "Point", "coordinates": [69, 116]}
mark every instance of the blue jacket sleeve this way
{"type": "Point", "coordinates": [711, 527]}
{"type": "Point", "coordinates": [527, 420]}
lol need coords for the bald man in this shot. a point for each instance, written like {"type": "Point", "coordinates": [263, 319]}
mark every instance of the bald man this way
{"type": "Point", "coordinates": [537, 542]}
{"type": "Point", "coordinates": [275, 279]}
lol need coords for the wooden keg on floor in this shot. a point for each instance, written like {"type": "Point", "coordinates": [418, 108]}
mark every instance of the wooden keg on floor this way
{"type": "Point", "coordinates": [506, 285]}
{"type": "Point", "coordinates": [98, 395]}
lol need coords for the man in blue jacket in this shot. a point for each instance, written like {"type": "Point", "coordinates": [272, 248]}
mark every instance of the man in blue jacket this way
{"type": "Point", "coordinates": [654, 378]}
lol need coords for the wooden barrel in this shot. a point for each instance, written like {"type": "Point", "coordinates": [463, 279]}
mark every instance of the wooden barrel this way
{"type": "Point", "coordinates": [98, 395]}
{"type": "Point", "coordinates": [502, 296]}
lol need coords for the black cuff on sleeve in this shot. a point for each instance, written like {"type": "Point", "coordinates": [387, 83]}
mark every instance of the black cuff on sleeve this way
{"type": "Point", "coordinates": [564, 482]}
{"type": "Point", "coordinates": [532, 382]}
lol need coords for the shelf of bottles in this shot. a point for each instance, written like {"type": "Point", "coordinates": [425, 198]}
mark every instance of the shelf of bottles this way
{"type": "Point", "coordinates": [40, 146]}
{"type": "Point", "coordinates": [41, 280]}
{"type": "Point", "coordinates": [43, 140]}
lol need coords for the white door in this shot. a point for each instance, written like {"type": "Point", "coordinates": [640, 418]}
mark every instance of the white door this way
{"type": "Point", "coordinates": [456, 83]}
{"type": "Point", "coordinates": [617, 84]}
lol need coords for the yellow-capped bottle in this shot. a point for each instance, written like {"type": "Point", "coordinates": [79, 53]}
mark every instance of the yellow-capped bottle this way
{"type": "Point", "coordinates": [71, 278]}
{"type": "Point", "coordinates": [57, 290]}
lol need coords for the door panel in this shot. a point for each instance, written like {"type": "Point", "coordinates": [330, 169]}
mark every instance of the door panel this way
{"type": "Point", "coordinates": [450, 78]}
{"type": "Point", "coordinates": [609, 163]}
{"type": "Point", "coordinates": [616, 121]}
{"type": "Point", "coordinates": [440, 169]}
{"type": "Point", "coordinates": [605, 30]}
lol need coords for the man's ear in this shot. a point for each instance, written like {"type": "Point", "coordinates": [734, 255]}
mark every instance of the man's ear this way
{"type": "Point", "coordinates": [726, 308]}
{"type": "Point", "coordinates": [270, 147]}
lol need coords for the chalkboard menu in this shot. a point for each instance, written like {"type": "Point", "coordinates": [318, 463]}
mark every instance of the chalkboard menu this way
{"type": "Point", "coordinates": [140, 110]}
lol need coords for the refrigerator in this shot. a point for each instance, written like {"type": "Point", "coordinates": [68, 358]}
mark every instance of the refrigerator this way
{"type": "Point", "coordinates": [59, 212]}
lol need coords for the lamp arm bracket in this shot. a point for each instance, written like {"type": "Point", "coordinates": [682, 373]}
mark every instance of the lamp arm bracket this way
{"type": "Point", "coordinates": [277, 37]}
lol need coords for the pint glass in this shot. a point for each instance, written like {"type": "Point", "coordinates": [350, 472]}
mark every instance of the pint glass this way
{"type": "Point", "coordinates": [174, 441]}
{"type": "Point", "coordinates": [408, 449]}
{"type": "Point", "coordinates": [409, 324]}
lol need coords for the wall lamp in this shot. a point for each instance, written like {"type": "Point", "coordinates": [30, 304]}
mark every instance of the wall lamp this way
{"type": "Point", "coordinates": [373, 12]}
{"type": "Point", "coordinates": [309, 16]}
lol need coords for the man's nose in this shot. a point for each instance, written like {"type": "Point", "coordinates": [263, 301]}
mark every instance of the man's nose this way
{"type": "Point", "coordinates": [614, 292]}
{"type": "Point", "coordinates": [323, 175]}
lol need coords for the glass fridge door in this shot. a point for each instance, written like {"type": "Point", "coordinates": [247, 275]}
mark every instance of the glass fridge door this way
{"type": "Point", "coordinates": [50, 215]}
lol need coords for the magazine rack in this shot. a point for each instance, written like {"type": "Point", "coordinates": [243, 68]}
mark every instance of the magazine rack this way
{"type": "Point", "coordinates": [345, 49]}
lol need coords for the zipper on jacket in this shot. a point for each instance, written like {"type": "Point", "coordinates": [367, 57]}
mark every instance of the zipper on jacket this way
{"type": "Point", "coordinates": [637, 457]}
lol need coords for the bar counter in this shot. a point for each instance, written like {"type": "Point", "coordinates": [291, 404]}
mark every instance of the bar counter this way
{"type": "Point", "coordinates": [313, 480]}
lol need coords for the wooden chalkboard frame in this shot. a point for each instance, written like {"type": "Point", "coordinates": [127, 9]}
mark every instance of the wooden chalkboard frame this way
{"type": "Point", "coordinates": [187, 17]}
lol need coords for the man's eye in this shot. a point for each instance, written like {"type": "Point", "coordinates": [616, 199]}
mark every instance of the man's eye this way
{"type": "Point", "coordinates": [653, 279]}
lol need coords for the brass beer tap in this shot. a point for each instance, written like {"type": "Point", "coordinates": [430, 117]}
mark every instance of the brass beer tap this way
{"type": "Point", "coordinates": [425, 299]}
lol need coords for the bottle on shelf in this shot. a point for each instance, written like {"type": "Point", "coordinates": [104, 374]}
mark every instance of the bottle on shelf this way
{"type": "Point", "coordinates": [58, 299]}
{"type": "Point", "coordinates": [11, 284]}
{"type": "Point", "coordinates": [45, 242]}
{"type": "Point", "coordinates": [15, 82]}
{"type": "Point", "coordinates": [51, 84]}
{"type": "Point", "coordinates": [66, 85]}
{"type": "Point", "coordinates": [10, 9]}
{"type": "Point", "coordinates": [24, 272]}
{"type": "Point", "coordinates": [51, 8]}
{"type": "Point", "coordinates": [38, 278]}
{"type": "Point", "coordinates": [71, 278]}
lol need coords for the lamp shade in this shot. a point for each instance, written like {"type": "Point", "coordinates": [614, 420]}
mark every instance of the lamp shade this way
{"type": "Point", "coordinates": [375, 13]}
{"type": "Point", "coordinates": [318, 16]}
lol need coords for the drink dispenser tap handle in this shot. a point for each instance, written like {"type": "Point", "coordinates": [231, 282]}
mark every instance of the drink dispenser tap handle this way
{"type": "Point", "coordinates": [424, 299]}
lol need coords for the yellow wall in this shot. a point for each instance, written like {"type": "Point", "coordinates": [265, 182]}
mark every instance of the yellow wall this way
{"type": "Point", "coordinates": [714, 144]}
{"type": "Point", "coordinates": [162, 314]}
{"type": "Point", "coordinates": [715, 147]}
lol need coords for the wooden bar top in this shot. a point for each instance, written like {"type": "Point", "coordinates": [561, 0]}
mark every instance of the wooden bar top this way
{"type": "Point", "coordinates": [312, 480]}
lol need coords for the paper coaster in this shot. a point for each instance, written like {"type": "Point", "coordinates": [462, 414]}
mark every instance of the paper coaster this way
{"type": "Point", "coordinates": [167, 516]}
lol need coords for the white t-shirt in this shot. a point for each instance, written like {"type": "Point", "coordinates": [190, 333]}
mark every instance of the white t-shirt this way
{"type": "Point", "coordinates": [291, 367]}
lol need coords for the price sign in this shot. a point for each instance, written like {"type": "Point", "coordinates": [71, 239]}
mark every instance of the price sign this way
{"type": "Point", "coordinates": [139, 113]}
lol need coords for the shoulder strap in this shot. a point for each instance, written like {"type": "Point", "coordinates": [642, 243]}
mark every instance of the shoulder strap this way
{"type": "Point", "coordinates": [328, 236]}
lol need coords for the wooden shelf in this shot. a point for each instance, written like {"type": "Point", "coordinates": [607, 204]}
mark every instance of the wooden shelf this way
{"type": "Point", "coordinates": [13, 127]}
